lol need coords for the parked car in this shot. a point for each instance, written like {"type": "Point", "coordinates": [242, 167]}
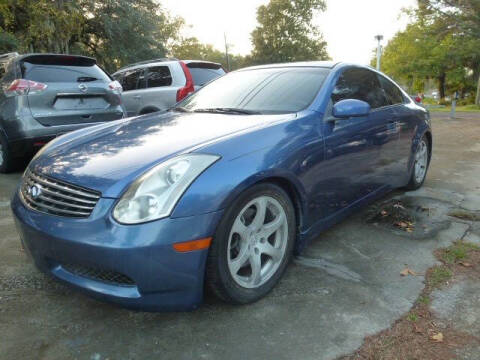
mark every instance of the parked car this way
{"type": "Point", "coordinates": [417, 99]}
{"type": "Point", "coordinates": [156, 85]}
{"type": "Point", "coordinates": [45, 95]}
{"type": "Point", "coordinates": [221, 189]}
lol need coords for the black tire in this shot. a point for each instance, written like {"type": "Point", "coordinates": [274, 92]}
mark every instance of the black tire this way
{"type": "Point", "coordinates": [218, 276]}
{"type": "Point", "coordinates": [413, 183]}
{"type": "Point", "coordinates": [5, 156]}
{"type": "Point", "coordinates": [148, 111]}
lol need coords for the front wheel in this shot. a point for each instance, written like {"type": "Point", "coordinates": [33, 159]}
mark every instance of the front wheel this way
{"type": "Point", "coordinates": [252, 245]}
{"type": "Point", "coordinates": [420, 165]}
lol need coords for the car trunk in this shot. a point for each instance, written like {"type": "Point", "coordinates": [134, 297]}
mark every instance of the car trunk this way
{"type": "Point", "coordinates": [77, 91]}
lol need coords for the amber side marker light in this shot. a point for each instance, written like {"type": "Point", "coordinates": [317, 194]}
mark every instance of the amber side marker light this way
{"type": "Point", "coordinates": [193, 245]}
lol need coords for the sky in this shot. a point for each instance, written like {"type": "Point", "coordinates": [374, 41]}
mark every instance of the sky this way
{"type": "Point", "coordinates": [348, 26]}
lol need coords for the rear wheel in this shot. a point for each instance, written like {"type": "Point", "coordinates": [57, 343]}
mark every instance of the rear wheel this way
{"type": "Point", "coordinates": [252, 245]}
{"type": "Point", "coordinates": [420, 165]}
{"type": "Point", "coordinates": [5, 157]}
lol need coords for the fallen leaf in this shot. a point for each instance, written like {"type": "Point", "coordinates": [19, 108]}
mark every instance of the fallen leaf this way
{"type": "Point", "coordinates": [401, 224]}
{"type": "Point", "coordinates": [417, 329]}
{"type": "Point", "coordinates": [437, 337]}
{"type": "Point", "coordinates": [407, 271]}
{"type": "Point", "coordinates": [466, 264]}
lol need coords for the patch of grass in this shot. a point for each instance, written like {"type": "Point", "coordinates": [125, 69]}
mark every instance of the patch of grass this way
{"type": "Point", "coordinates": [457, 252]}
{"type": "Point", "coordinates": [439, 276]}
{"type": "Point", "coordinates": [424, 299]}
{"type": "Point", "coordinates": [412, 317]}
{"type": "Point", "coordinates": [464, 108]}
{"type": "Point", "coordinates": [465, 215]}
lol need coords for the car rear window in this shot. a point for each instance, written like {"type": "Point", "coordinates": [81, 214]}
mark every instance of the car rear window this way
{"type": "Point", "coordinates": [279, 90]}
{"type": "Point", "coordinates": [158, 76]}
{"type": "Point", "coordinates": [203, 73]}
{"type": "Point", "coordinates": [58, 73]}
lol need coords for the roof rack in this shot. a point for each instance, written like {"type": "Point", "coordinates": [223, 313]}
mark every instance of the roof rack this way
{"type": "Point", "coordinates": [148, 62]}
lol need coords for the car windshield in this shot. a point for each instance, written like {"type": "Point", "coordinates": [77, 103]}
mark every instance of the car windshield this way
{"type": "Point", "coordinates": [265, 91]}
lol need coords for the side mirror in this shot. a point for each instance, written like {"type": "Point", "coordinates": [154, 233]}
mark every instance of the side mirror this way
{"type": "Point", "coordinates": [350, 108]}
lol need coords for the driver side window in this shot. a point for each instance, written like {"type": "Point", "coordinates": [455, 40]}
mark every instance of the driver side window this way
{"type": "Point", "coordinates": [359, 84]}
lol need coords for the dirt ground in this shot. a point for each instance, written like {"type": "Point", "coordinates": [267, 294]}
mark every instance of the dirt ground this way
{"type": "Point", "coordinates": [363, 279]}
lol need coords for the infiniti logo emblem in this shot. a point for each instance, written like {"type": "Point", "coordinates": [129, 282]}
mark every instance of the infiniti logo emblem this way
{"type": "Point", "coordinates": [83, 87]}
{"type": "Point", "coordinates": [35, 191]}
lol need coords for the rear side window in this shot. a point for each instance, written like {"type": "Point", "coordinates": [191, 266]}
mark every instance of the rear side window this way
{"type": "Point", "coordinates": [360, 84]}
{"type": "Point", "coordinates": [158, 76]}
{"type": "Point", "coordinates": [203, 73]}
{"type": "Point", "coordinates": [132, 80]}
{"type": "Point", "coordinates": [63, 74]}
{"type": "Point", "coordinates": [392, 92]}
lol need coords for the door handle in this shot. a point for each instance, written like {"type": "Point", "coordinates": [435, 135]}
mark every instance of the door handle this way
{"type": "Point", "coordinates": [138, 97]}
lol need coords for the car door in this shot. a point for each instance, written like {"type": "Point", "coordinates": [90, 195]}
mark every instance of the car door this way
{"type": "Point", "coordinates": [159, 93]}
{"type": "Point", "coordinates": [349, 171]}
{"type": "Point", "coordinates": [405, 127]}
{"type": "Point", "coordinates": [133, 83]}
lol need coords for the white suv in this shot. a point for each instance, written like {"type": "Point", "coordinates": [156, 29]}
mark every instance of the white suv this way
{"type": "Point", "coordinates": [155, 85]}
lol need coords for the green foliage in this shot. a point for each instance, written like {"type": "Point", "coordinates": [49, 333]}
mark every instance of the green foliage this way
{"type": "Point", "coordinates": [441, 43]}
{"type": "Point", "coordinates": [116, 32]}
{"type": "Point", "coordinates": [285, 32]}
{"type": "Point", "coordinates": [120, 32]}
{"type": "Point", "coordinates": [439, 276]}
{"type": "Point", "coordinates": [192, 48]}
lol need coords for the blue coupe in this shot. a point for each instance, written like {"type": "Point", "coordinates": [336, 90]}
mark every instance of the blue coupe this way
{"type": "Point", "coordinates": [221, 190]}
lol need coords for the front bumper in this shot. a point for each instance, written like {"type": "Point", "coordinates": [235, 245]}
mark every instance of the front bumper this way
{"type": "Point", "coordinates": [162, 279]}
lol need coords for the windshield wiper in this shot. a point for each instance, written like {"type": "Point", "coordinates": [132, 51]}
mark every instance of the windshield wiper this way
{"type": "Point", "coordinates": [86, 79]}
{"type": "Point", "coordinates": [224, 110]}
{"type": "Point", "coordinates": [179, 109]}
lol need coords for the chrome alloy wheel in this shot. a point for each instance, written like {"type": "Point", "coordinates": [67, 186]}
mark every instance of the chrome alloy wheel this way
{"type": "Point", "coordinates": [421, 161]}
{"type": "Point", "coordinates": [257, 242]}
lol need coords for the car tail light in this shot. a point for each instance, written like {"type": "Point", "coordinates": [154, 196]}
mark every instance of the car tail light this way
{"type": "Point", "coordinates": [24, 87]}
{"type": "Point", "coordinates": [183, 92]}
{"type": "Point", "coordinates": [115, 86]}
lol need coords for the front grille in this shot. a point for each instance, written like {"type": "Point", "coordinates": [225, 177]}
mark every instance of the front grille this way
{"type": "Point", "coordinates": [106, 276]}
{"type": "Point", "coordinates": [55, 197]}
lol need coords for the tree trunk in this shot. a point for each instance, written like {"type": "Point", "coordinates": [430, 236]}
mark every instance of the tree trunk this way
{"type": "Point", "coordinates": [477, 98]}
{"type": "Point", "coordinates": [441, 86]}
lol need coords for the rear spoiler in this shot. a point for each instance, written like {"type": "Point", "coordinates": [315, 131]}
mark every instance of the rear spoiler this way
{"type": "Point", "coordinates": [203, 65]}
{"type": "Point", "coordinates": [58, 59]}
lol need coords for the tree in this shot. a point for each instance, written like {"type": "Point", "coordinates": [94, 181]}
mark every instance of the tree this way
{"type": "Point", "coordinates": [41, 26]}
{"type": "Point", "coordinates": [285, 32]}
{"type": "Point", "coordinates": [430, 48]}
{"type": "Point", "coordinates": [462, 18]}
{"type": "Point", "coordinates": [192, 48]}
{"type": "Point", "coordinates": [121, 32]}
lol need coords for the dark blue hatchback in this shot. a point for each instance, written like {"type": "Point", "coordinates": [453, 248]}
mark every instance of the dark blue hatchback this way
{"type": "Point", "coordinates": [222, 189]}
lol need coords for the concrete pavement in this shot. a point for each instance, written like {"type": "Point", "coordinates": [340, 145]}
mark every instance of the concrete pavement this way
{"type": "Point", "coordinates": [346, 285]}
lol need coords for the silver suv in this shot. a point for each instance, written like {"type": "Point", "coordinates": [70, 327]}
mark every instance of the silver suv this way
{"type": "Point", "coordinates": [155, 85]}
{"type": "Point", "coordinates": [46, 95]}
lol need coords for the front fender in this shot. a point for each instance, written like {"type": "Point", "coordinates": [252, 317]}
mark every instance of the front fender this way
{"type": "Point", "coordinates": [219, 185]}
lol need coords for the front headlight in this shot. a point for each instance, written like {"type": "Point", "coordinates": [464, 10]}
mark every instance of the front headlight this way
{"type": "Point", "coordinates": [154, 195]}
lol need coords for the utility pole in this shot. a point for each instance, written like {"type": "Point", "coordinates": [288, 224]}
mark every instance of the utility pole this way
{"type": "Point", "coordinates": [226, 51]}
{"type": "Point", "coordinates": [379, 38]}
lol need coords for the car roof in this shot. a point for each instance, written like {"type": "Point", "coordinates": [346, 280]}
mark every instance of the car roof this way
{"type": "Point", "coordinates": [162, 61]}
{"type": "Point", "coordinates": [320, 64]}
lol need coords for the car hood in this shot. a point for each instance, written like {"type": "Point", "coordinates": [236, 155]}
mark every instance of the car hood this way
{"type": "Point", "coordinates": [108, 157]}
